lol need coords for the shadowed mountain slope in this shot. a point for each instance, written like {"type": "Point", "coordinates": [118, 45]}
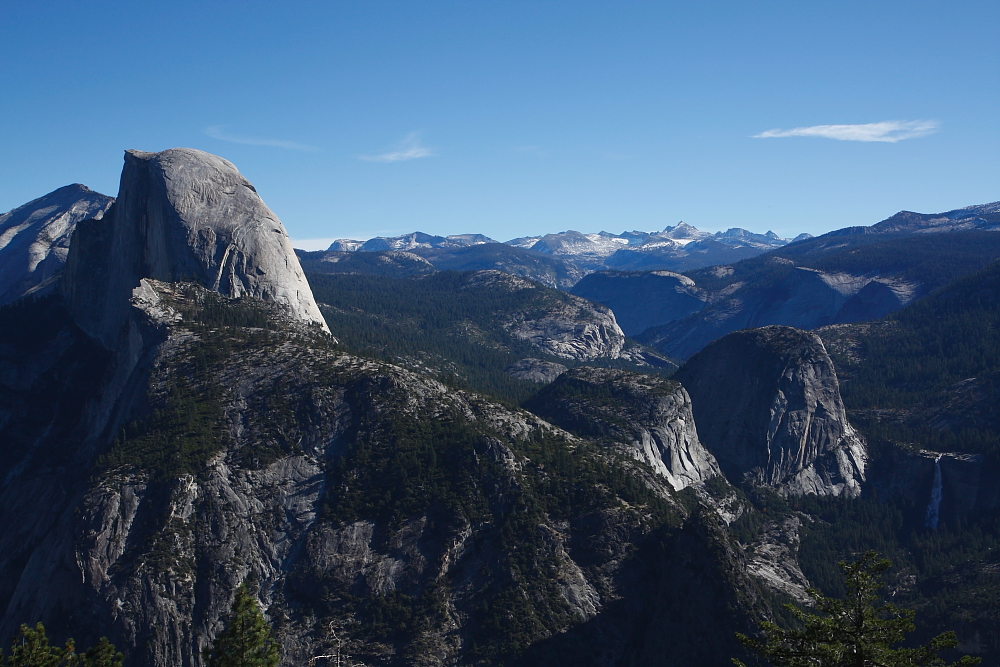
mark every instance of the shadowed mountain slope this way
{"type": "Point", "coordinates": [34, 238]}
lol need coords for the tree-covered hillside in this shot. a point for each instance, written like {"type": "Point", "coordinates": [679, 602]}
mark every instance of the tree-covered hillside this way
{"type": "Point", "coordinates": [917, 383]}
{"type": "Point", "coordinates": [449, 324]}
{"type": "Point", "coordinates": [934, 342]}
{"type": "Point", "coordinates": [932, 260]}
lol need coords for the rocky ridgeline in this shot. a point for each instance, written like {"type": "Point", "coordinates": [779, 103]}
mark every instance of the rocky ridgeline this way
{"type": "Point", "coordinates": [346, 488]}
{"type": "Point", "coordinates": [35, 238]}
{"type": "Point", "coordinates": [855, 274]}
{"type": "Point", "coordinates": [558, 260]}
{"type": "Point", "coordinates": [805, 298]}
{"type": "Point", "coordinates": [171, 442]}
{"type": "Point", "coordinates": [767, 404]}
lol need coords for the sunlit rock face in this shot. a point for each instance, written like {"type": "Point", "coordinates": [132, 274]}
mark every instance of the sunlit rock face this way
{"type": "Point", "coordinates": [768, 406]}
{"type": "Point", "coordinates": [35, 238]}
{"type": "Point", "coordinates": [649, 414]}
{"type": "Point", "coordinates": [182, 214]}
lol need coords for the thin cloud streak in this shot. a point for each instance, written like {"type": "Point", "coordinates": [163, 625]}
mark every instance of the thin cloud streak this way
{"type": "Point", "coordinates": [408, 149]}
{"type": "Point", "coordinates": [217, 132]}
{"type": "Point", "coordinates": [889, 131]}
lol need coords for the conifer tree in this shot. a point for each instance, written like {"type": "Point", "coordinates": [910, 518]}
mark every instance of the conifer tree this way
{"type": "Point", "coordinates": [103, 655]}
{"type": "Point", "coordinates": [851, 632]}
{"type": "Point", "coordinates": [246, 641]}
{"type": "Point", "coordinates": [32, 649]}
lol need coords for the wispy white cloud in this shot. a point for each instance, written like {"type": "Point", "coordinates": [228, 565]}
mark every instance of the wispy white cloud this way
{"type": "Point", "coordinates": [889, 131]}
{"type": "Point", "coordinates": [408, 149]}
{"type": "Point", "coordinates": [218, 132]}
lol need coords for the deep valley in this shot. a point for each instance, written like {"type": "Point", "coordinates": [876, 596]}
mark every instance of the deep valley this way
{"type": "Point", "coordinates": [561, 450]}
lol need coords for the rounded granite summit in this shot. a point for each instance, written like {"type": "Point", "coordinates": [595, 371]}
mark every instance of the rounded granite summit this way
{"type": "Point", "coordinates": [183, 214]}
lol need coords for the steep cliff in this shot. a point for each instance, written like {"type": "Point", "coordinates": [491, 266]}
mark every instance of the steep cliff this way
{"type": "Point", "coordinates": [34, 238]}
{"type": "Point", "coordinates": [768, 406]}
{"type": "Point", "coordinates": [650, 415]}
{"type": "Point", "coordinates": [415, 520]}
{"type": "Point", "coordinates": [194, 429]}
{"type": "Point", "coordinates": [193, 433]}
{"type": "Point", "coordinates": [181, 214]}
{"type": "Point", "coordinates": [683, 605]}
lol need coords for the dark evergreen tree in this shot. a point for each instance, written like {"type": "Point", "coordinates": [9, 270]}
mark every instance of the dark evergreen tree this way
{"type": "Point", "coordinates": [852, 632]}
{"type": "Point", "coordinates": [102, 655]}
{"type": "Point", "coordinates": [246, 640]}
{"type": "Point", "coordinates": [31, 649]}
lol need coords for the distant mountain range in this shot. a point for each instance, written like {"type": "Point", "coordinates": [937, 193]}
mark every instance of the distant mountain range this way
{"type": "Point", "coordinates": [556, 260]}
{"type": "Point", "coordinates": [474, 469]}
{"type": "Point", "coordinates": [601, 244]}
{"type": "Point", "coordinates": [854, 274]}
{"type": "Point", "coordinates": [679, 247]}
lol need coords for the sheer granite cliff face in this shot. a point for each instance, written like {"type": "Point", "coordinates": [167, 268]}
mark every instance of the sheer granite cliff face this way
{"type": "Point", "coordinates": [181, 214]}
{"type": "Point", "coordinates": [649, 414]}
{"type": "Point", "coordinates": [344, 489]}
{"type": "Point", "coordinates": [767, 404]}
{"type": "Point", "coordinates": [35, 238]}
{"type": "Point", "coordinates": [174, 443]}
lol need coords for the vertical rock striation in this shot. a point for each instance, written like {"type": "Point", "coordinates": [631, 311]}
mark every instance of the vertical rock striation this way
{"type": "Point", "coordinates": [649, 414]}
{"type": "Point", "coordinates": [767, 404]}
{"type": "Point", "coordinates": [181, 214]}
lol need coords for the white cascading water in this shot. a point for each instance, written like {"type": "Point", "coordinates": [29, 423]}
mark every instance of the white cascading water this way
{"type": "Point", "coordinates": [934, 508]}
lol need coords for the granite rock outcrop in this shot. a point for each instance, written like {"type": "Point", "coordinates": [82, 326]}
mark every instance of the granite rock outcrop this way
{"type": "Point", "coordinates": [535, 370]}
{"type": "Point", "coordinates": [276, 471]}
{"type": "Point", "coordinates": [570, 328]}
{"type": "Point", "coordinates": [181, 214]}
{"type": "Point", "coordinates": [767, 404]}
{"type": "Point", "coordinates": [650, 415]}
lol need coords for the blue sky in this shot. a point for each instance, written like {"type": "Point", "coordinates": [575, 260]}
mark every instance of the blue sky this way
{"type": "Point", "coordinates": [357, 119]}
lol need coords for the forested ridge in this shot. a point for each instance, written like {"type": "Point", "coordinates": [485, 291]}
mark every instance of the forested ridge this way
{"type": "Point", "coordinates": [906, 381]}
{"type": "Point", "coordinates": [442, 323]}
{"type": "Point", "coordinates": [931, 260]}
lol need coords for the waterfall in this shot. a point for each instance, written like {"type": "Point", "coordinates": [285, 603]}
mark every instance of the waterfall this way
{"type": "Point", "coordinates": [934, 508]}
